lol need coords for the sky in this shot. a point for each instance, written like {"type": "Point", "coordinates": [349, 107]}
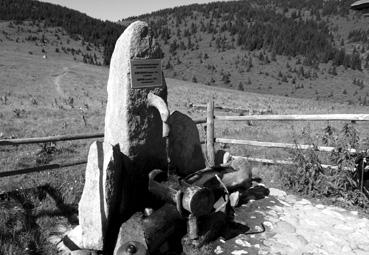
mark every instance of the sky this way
{"type": "Point", "coordinates": [115, 10]}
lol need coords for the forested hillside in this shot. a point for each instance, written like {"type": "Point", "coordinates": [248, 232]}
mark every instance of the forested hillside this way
{"type": "Point", "coordinates": [76, 24]}
{"type": "Point", "coordinates": [291, 47]}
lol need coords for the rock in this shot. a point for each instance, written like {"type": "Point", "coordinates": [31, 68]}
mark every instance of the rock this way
{"type": "Point", "coordinates": [131, 231]}
{"type": "Point", "coordinates": [277, 193]}
{"type": "Point", "coordinates": [242, 243]}
{"type": "Point", "coordinates": [333, 214]}
{"type": "Point", "coordinates": [100, 197]}
{"type": "Point", "coordinates": [320, 206]}
{"type": "Point", "coordinates": [290, 199]}
{"type": "Point", "coordinates": [354, 213]}
{"type": "Point", "coordinates": [128, 121]}
{"type": "Point", "coordinates": [284, 203]}
{"type": "Point", "coordinates": [234, 198]}
{"type": "Point", "coordinates": [185, 148]}
{"type": "Point", "coordinates": [73, 239]}
{"type": "Point", "coordinates": [304, 202]}
{"type": "Point", "coordinates": [284, 227]}
{"type": "Point", "coordinates": [268, 224]}
{"type": "Point", "coordinates": [239, 252]}
{"type": "Point", "coordinates": [218, 250]}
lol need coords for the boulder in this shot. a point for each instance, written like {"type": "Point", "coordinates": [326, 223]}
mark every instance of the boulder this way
{"type": "Point", "coordinates": [185, 148]}
{"type": "Point", "coordinates": [131, 231]}
{"type": "Point", "coordinates": [129, 122]}
{"type": "Point", "coordinates": [101, 193]}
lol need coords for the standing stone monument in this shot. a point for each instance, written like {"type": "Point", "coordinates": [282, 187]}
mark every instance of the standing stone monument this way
{"type": "Point", "coordinates": [117, 169]}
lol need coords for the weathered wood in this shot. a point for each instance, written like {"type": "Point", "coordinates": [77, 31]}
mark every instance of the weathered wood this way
{"type": "Point", "coordinates": [226, 109]}
{"type": "Point", "coordinates": [41, 168]}
{"type": "Point", "coordinates": [198, 201]}
{"type": "Point", "coordinates": [210, 134]}
{"type": "Point", "coordinates": [193, 199]}
{"type": "Point", "coordinates": [312, 117]}
{"type": "Point", "coordinates": [49, 139]}
{"type": "Point", "coordinates": [278, 145]}
{"type": "Point", "coordinates": [162, 191]}
{"type": "Point", "coordinates": [279, 162]}
{"type": "Point", "coordinates": [199, 121]}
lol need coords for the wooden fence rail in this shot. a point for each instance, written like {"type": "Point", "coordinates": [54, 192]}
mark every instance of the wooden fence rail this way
{"type": "Point", "coordinates": [278, 145]}
{"type": "Point", "coordinates": [33, 140]}
{"type": "Point", "coordinates": [41, 168]}
{"type": "Point", "coordinates": [49, 139]}
{"type": "Point", "coordinates": [278, 162]}
{"type": "Point", "coordinates": [294, 117]}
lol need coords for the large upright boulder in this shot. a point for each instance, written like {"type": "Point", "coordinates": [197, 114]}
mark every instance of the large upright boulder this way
{"type": "Point", "coordinates": [128, 120]}
{"type": "Point", "coordinates": [185, 147]}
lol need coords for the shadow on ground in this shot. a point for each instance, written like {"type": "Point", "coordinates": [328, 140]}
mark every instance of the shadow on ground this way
{"type": "Point", "coordinates": [27, 217]}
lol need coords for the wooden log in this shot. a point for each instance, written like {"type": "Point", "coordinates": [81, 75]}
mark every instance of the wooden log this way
{"type": "Point", "coordinates": [312, 117]}
{"type": "Point", "coordinates": [223, 108]}
{"type": "Point", "coordinates": [280, 162]}
{"type": "Point", "coordinates": [49, 139]}
{"type": "Point", "coordinates": [195, 200]}
{"type": "Point", "coordinates": [41, 168]}
{"type": "Point", "coordinates": [210, 134]}
{"type": "Point", "coordinates": [198, 201]}
{"type": "Point", "coordinates": [278, 145]}
{"type": "Point", "coordinates": [162, 191]}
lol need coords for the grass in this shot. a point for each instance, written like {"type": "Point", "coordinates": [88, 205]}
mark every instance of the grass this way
{"type": "Point", "coordinates": [38, 203]}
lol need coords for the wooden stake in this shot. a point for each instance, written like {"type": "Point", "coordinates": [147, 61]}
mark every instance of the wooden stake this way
{"type": "Point", "coordinates": [210, 133]}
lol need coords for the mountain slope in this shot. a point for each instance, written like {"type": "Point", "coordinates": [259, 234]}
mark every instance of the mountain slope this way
{"type": "Point", "coordinates": [77, 25]}
{"type": "Point", "coordinates": [293, 48]}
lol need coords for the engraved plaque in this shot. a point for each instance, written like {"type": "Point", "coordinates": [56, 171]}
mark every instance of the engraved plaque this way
{"type": "Point", "coordinates": [146, 73]}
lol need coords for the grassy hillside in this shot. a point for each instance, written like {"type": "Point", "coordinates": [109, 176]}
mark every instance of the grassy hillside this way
{"type": "Point", "coordinates": [306, 49]}
{"type": "Point", "coordinates": [79, 26]}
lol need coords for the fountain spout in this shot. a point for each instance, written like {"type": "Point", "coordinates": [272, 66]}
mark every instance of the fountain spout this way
{"type": "Point", "coordinates": [157, 102]}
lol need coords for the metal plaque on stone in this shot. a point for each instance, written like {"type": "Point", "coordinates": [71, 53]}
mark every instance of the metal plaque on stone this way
{"type": "Point", "coordinates": [146, 73]}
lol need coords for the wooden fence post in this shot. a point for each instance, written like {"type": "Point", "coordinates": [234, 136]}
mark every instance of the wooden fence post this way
{"type": "Point", "coordinates": [210, 133]}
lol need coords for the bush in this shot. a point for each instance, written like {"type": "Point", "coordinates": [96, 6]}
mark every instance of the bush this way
{"type": "Point", "coordinates": [342, 182]}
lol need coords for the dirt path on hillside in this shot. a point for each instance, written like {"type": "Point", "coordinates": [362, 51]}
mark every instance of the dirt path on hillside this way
{"type": "Point", "coordinates": [58, 80]}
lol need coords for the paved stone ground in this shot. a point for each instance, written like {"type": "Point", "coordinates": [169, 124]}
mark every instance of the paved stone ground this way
{"type": "Point", "coordinates": [297, 226]}
{"type": "Point", "coordinates": [293, 226]}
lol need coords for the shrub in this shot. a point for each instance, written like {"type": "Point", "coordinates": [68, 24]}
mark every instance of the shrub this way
{"type": "Point", "coordinates": [341, 182]}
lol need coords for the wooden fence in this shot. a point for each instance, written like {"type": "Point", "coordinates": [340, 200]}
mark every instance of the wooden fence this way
{"type": "Point", "coordinates": [59, 138]}
{"type": "Point", "coordinates": [210, 137]}
{"type": "Point", "coordinates": [293, 117]}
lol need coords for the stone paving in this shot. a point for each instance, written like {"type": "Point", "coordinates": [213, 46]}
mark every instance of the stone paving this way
{"type": "Point", "coordinates": [293, 226]}
{"type": "Point", "coordinates": [297, 226]}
